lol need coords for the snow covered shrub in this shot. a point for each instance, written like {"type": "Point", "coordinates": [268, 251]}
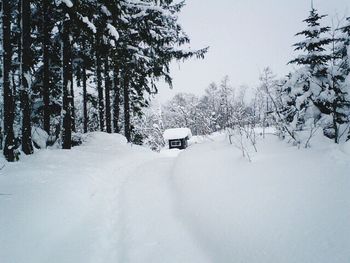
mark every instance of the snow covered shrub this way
{"type": "Point", "coordinates": [39, 137]}
{"type": "Point", "coordinates": [243, 138]}
{"type": "Point", "coordinates": [148, 128]}
{"type": "Point", "coordinates": [77, 139]}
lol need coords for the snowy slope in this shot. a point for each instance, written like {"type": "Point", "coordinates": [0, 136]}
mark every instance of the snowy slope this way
{"type": "Point", "coordinates": [107, 201]}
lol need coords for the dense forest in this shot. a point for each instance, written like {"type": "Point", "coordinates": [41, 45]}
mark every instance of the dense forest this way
{"type": "Point", "coordinates": [81, 66]}
{"type": "Point", "coordinates": [73, 67]}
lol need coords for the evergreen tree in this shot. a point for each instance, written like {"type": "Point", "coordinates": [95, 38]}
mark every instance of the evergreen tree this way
{"type": "Point", "coordinates": [69, 65]}
{"type": "Point", "coordinates": [334, 100]}
{"type": "Point", "coordinates": [314, 45]}
{"type": "Point", "coordinates": [340, 73]}
{"type": "Point", "coordinates": [306, 85]}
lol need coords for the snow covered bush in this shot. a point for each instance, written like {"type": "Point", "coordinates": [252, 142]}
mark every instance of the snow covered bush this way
{"type": "Point", "coordinates": [148, 128]}
{"type": "Point", "coordinates": [39, 137]}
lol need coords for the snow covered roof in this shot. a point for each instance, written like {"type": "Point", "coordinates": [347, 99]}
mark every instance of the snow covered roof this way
{"type": "Point", "coordinates": [177, 133]}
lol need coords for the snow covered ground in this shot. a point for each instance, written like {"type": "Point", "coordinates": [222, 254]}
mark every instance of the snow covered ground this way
{"type": "Point", "coordinates": [288, 205]}
{"type": "Point", "coordinates": [107, 201]}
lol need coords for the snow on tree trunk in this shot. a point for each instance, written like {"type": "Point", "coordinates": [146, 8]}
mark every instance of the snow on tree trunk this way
{"type": "Point", "coordinates": [67, 78]}
{"type": "Point", "coordinates": [126, 87]}
{"type": "Point", "coordinates": [99, 83]}
{"type": "Point", "coordinates": [108, 97]}
{"type": "Point", "coordinates": [46, 67]}
{"type": "Point", "coordinates": [116, 102]}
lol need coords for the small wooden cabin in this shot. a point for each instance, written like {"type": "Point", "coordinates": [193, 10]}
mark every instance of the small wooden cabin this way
{"type": "Point", "coordinates": [177, 138]}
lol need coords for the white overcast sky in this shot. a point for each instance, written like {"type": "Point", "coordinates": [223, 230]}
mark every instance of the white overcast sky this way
{"type": "Point", "coordinates": [244, 36]}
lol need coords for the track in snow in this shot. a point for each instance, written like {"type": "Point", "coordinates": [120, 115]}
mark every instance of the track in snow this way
{"type": "Point", "coordinates": [153, 231]}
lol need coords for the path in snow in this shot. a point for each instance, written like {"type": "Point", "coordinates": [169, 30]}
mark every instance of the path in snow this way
{"type": "Point", "coordinates": [153, 232]}
{"type": "Point", "coordinates": [101, 202]}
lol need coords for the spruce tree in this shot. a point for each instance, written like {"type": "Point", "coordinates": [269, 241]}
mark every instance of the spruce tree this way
{"type": "Point", "coordinates": [313, 45]}
{"type": "Point", "coordinates": [338, 99]}
{"type": "Point", "coordinates": [306, 84]}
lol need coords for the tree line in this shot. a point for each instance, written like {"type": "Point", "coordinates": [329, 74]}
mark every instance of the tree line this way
{"type": "Point", "coordinates": [105, 55]}
{"type": "Point", "coordinates": [313, 97]}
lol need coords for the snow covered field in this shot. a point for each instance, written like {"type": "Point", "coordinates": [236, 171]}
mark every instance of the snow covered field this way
{"type": "Point", "coordinates": [107, 201]}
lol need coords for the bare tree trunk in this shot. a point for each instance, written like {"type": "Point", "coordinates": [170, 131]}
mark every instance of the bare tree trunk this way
{"type": "Point", "coordinates": [127, 128]}
{"type": "Point", "coordinates": [99, 82]}
{"type": "Point", "coordinates": [9, 106]}
{"type": "Point", "coordinates": [85, 99]}
{"type": "Point", "coordinates": [67, 78]}
{"type": "Point", "coordinates": [335, 124]}
{"type": "Point", "coordinates": [116, 102]}
{"type": "Point", "coordinates": [108, 97]}
{"type": "Point", "coordinates": [72, 99]}
{"type": "Point", "coordinates": [46, 67]}
{"type": "Point", "coordinates": [116, 83]}
{"type": "Point", "coordinates": [27, 146]}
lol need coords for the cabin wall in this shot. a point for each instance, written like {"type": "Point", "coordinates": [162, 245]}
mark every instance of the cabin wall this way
{"type": "Point", "coordinates": [183, 144]}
